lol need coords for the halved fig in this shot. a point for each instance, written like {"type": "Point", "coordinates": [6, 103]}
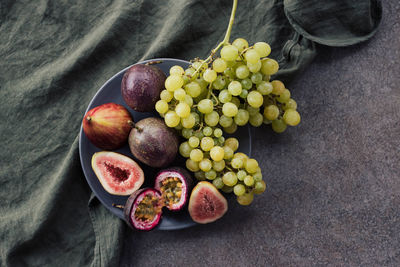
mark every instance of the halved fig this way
{"type": "Point", "coordinates": [175, 185]}
{"type": "Point", "coordinates": [143, 209]}
{"type": "Point", "coordinates": [206, 203]}
{"type": "Point", "coordinates": [117, 173]}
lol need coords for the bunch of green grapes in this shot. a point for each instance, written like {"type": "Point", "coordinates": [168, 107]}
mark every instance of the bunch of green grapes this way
{"type": "Point", "coordinates": [219, 94]}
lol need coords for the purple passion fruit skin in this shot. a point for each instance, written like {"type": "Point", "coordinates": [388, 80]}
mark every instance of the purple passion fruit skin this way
{"type": "Point", "coordinates": [143, 209]}
{"type": "Point", "coordinates": [141, 87]}
{"type": "Point", "coordinates": [117, 173]}
{"type": "Point", "coordinates": [175, 185]}
{"type": "Point", "coordinates": [153, 143]}
{"type": "Point", "coordinates": [206, 203]}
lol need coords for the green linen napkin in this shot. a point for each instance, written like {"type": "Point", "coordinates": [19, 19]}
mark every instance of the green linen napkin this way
{"type": "Point", "coordinates": [55, 55]}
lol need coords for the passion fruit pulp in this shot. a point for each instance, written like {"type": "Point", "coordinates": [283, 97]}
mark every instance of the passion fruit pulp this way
{"type": "Point", "coordinates": [175, 185]}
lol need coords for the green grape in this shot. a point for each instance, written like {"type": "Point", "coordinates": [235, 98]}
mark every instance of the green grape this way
{"type": "Point", "coordinates": [211, 118]}
{"type": "Point", "coordinates": [190, 73]}
{"type": "Point", "coordinates": [182, 109]}
{"type": "Point", "coordinates": [179, 127]}
{"type": "Point", "coordinates": [219, 165]}
{"type": "Point", "coordinates": [278, 87]}
{"type": "Point", "coordinates": [242, 117]}
{"type": "Point", "coordinates": [224, 96]}
{"type": "Point", "coordinates": [211, 175]}
{"type": "Point", "coordinates": [225, 121]}
{"type": "Point", "coordinates": [188, 100]}
{"type": "Point", "coordinates": [228, 152]}
{"type": "Point", "coordinates": [229, 73]}
{"type": "Point", "coordinates": [199, 134]}
{"type": "Point", "coordinates": [196, 117]}
{"type": "Point", "coordinates": [239, 189]}
{"type": "Point", "coordinates": [245, 199]}
{"type": "Point", "coordinates": [271, 112]}
{"type": "Point", "coordinates": [229, 178]}
{"type": "Point", "coordinates": [242, 72]}
{"type": "Point", "coordinates": [221, 140]}
{"type": "Point", "coordinates": [284, 97]}
{"type": "Point", "coordinates": [176, 70]}
{"type": "Point", "coordinates": [219, 65]}
{"type": "Point", "coordinates": [171, 119]}
{"type": "Point", "coordinates": [203, 84]}
{"type": "Point", "coordinates": [263, 49]}
{"type": "Point", "coordinates": [192, 166]}
{"type": "Point", "coordinates": [200, 175]}
{"type": "Point", "coordinates": [236, 163]}
{"type": "Point", "coordinates": [185, 149]}
{"type": "Point", "coordinates": [188, 122]}
{"type": "Point", "coordinates": [217, 153]}
{"type": "Point", "coordinates": [259, 187]}
{"type": "Point", "coordinates": [254, 67]}
{"type": "Point", "coordinates": [246, 84]}
{"type": "Point", "coordinates": [217, 132]}
{"type": "Point", "coordinates": [235, 88]}
{"type": "Point", "coordinates": [173, 82]}
{"type": "Point", "coordinates": [186, 79]}
{"type": "Point", "coordinates": [235, 100]}
{"type": "Point", "coordinates": [252, 56]}
{"type": "Point", "coordinates": [241, 156]}
{"type": "Point", "coordinates": [205, 106]}
{"type": "Point", "coordinates": [227, 189]}
{"type": "Point", "coordinates": [256, 120]}
{"type": "Point", "coordinates": [207, 131]}
{"type": "Point", "coordinates": [257, 176]}
{"type": "Point", "coordinates": [187, 133]}
{"type": "Point", "coordinates": [252, 111]}
{"type": "Point", "coordinates": [206, 143]}
{"type": "Point", "coordinates": [196, 155]}
{"type": "Point", "coordinates": [244, 93]}
{"type": "Point", "coordinates": [193, 141]}
{"type": "Point", "coordinates": [241, 44]}
{"type": "Point", "coordinates": [248, 180]}
{"type": "Point", "coordinates": [291, 117]}
{"type": "Point", "coordinates": [241, 175]}
{"type": "Point", "coordinates": [218, 183]}
{"type": "Point", "coordinates": [205, 165]}
{"type": "Point", "coordinates": [193, 89]}
{"type": "Point", "coordinates": [233, 143]}
{"type": "Point", "coordinates": [229, 109]}
{"type": "Point", "coordinates": [279, 126]}
{"type": "Point", "coordinates": [255, 99]}
{"type": "Point", "coordinates": [256, 78]}
{"type": "Point", "coordinates": [201, 65]}
{"type": "Point", "coordinates": [229, 53]}
{"type": "Point", "coordinates": [269, 66]}
{"type": "Point", "coordinates": [251, 165]}
{"type": "Point", "coordinates": [166, 95]}
{"type": "Point", "coordinates": [290, 104]}
{"type": "Point", "coordinates": [265, 88]}
{"type": "Point", "coordinates": [209, 75]}
{"type": "Point", "coordinates": [179, 94]}
{"type": "Point", "coordinates": [219, 82]}
{"type": "Point", "coordinates": [231, 129]}
{"type": "Point", "coordinates": [162, 106]}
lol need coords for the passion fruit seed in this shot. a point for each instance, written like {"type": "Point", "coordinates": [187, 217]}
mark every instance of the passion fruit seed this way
{"type": "Point", "coordinates": [171, 190]}
{"type": "Point", "coordinates": [148, 208]}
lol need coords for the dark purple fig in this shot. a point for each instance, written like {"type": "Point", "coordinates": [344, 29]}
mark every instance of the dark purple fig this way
{"type": "Point", "coordinates": [175, 185]}
{"type": "Point", "coordinates": [153, 143]}
{"type": "Point", "coordinates": [206, 203]}
{"type": "Point", "coordinates": [117, 173]}
{"type": "Point", "coordinates": [143, 209]}
{"type": "Point", "coordinates": [141, 87]}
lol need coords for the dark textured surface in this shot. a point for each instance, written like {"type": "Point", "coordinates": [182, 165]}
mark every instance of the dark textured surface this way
{"type": "Point", "coordinates": [334, 181]}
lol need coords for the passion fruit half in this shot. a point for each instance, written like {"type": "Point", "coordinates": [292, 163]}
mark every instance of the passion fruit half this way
{"type": "Point", "coordinates": [143, 209]}
{"type": "Point", "coordinates": [175, 185]}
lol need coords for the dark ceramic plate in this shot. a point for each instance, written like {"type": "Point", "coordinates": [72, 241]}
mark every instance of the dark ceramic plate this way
{"type": "Point", "coordinates": [111, 92]}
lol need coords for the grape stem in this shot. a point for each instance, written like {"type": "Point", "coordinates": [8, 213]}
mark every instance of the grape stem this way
{"type": "Point", "coordinates": [224, 42]}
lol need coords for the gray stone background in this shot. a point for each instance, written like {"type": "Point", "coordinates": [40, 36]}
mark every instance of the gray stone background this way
{"type": "Point", "coordinates": [333, 194]}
